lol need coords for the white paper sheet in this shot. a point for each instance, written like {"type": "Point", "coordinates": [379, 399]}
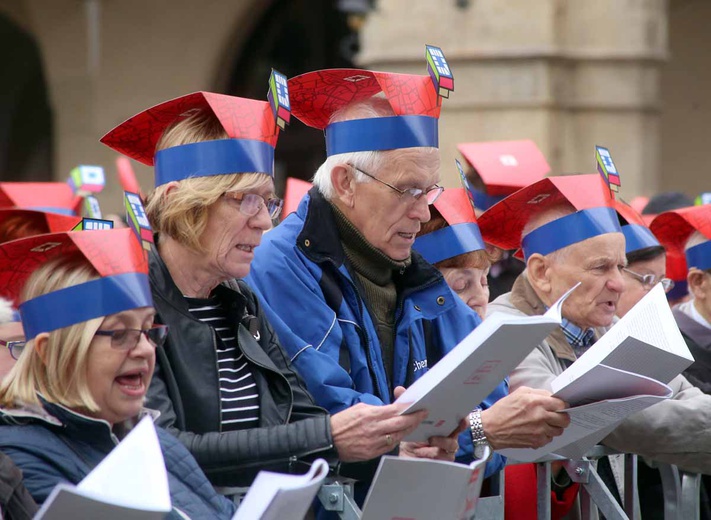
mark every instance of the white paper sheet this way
{"type": "Point", "coordinates": [274, 496]}
{"type": "Point", "coordinates": [466, 375]}
{"type": "Point", "coordinates": [423, 489]}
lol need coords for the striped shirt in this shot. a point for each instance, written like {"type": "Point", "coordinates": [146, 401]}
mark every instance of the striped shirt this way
{"type": "Point", "coordinates": [238, 388]}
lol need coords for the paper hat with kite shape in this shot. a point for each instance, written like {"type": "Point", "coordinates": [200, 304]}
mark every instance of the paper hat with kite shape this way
{"type": "Point", "coordinates": [415, 100]}
{"type": "Point", "coordinates": [18, 223]}
{"type": "Point", "coordinates": [637, 235]}
{"type": "Point", "coordinates": [502, 225]}
{"type": "Point", "coordinates": [252, 128]}
{"type": "Point", "coordinates": [55, 197]}
{"type": "Point", "coordinates": [115, 254]}
{"type": "Point", "coordinates": [504, 167]}
{"type": "Point", "coordinates": [674, 228]}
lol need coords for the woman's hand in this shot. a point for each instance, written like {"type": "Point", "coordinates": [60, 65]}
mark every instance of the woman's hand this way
{"type": "Point", "coordinates": [437, 448]}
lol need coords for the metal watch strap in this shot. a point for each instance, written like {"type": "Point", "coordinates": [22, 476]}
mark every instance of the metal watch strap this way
{"type": "Point", "coordinates": [476, 427]}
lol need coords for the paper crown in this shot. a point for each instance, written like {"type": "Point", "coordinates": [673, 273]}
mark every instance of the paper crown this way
{"type": "Point", "coordinates": [637, 235]}
{"type": "Point", "coordinates": [502, 225]}
{"type": "Point", "coordinates": [673, 228]}
{"type": "Point", "coordinates": [415, 100]}
{"type": "Point", "coordinates": [55, 197]}
{"type": "Point", "coordinates": [18, 223]}
{"type": "Point", "coordinates": [294, 192]}
{"type": "Point", "coordinates": [462, 233]}
{"type": "Point", "coordinates": [505, 166]}
{"type": "Point", "coordinates": [251, 126]}
{"type": "Point", "coordinates": [115, 254]}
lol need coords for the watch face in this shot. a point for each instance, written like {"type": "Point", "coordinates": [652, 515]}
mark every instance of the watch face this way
{"type": "Point", "coordinates": [479, 451]}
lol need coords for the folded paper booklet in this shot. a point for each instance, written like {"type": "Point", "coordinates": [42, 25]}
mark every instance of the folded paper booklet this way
{"type": "Point", "coordinates": [624, 372]}
{"type": "Point", "coordinates": [115, 489]}
{"type": "Point", "coordinates": [466, 375]}
{"type": "Point", "coordinates": [422, 489]}
{"type": "Point", "coordinates": [274, 496]}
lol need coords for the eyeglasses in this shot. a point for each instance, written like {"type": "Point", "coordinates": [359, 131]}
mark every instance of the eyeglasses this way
{"type": "Point", "coordinates": [650, 280]}
{"type": "Point", "coordinates": [251, 203]}
{"type": "Point", "coordinates": [410, 194]}
{"type": "Point", "coordinates": [15, 347]}
{"type": "Point", "coordinates": [127, 339]}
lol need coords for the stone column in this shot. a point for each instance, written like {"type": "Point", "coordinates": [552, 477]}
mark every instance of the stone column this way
{"type": "Point", "coordinates": [568, 74]}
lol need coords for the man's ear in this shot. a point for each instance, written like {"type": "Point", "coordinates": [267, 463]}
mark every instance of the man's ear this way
{"type": "Point", "coordinates": [172, 186]}
{"type": "Point", "coordinates": [40, 345]}
{"type": "Point", "coordinates": [343, 182]}
{"type": "Point", "coordinates": [696, 280]}
{"type": "Point", "coordinates": [538, 273]}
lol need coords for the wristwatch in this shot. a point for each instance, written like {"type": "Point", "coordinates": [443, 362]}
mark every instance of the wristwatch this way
{"type": "Point", "coordinates": [482, 448]}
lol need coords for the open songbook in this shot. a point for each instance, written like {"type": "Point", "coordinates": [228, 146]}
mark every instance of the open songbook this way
{"type": "Point", "coordinates": [422, 489]}
{"type": "Point", "coordinates": [130, 483]}
{"type": "Point", "coordinates": [624, 372]}
{"type": "Point", "coordinates": [466, 375]}
{"type": "Point", "coordinates": [274, 496]}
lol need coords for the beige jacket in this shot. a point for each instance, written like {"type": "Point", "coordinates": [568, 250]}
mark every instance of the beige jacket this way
{"type": "Point", "coordinates": [677, 431]}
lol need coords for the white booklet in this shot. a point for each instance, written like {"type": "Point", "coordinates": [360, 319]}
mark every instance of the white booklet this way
{"type": "Point", "coordinates": [463, 378]}
{"type": "Point", "coordinates": [275, 496]}
{"type": "Point", "coordinates": [422, 489]}
{"type": "Point", "coordinates": [130, 483]}
{"type": "Point", "coordinates": [624, 372]}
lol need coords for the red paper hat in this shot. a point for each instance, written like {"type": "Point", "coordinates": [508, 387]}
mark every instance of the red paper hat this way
{"type": "Point", "coordinates": [503, 223]}
{"type": "Point", "coordinates": [56, 197]}
{"type": "Point", "coordinates": [673, 228]}
{"type": "Point", "coordinates": [36, 221]}
{"type": "Point", "coordinates": [315, 96]}
{"type": "Point", "coordinates": [241, 118]}
{"type": "Point", "coordinates": [455, 206]}
{"type": "Point", "coordinates": [294, 192]}
{"type": "Point", "coordinates": [505, 166]}
{"type": "Point", "coordinates": [627, 212]}
{"type": "Point", "coordinates": [110, 252]}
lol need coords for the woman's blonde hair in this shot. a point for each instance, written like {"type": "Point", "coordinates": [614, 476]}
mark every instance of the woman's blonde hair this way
{"type": "Point", "coordinates": [61, 377]}
{"type": "Point", "coordinates": [182, 214]}
{"type": "Point", "coordinates": [479, 259]}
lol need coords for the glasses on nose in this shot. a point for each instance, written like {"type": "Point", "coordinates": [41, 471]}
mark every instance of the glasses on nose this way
{"type": "Point", "coordinates": [410, 194]}
{"type": "Point", "coordinates": [15, 347]}
{"type": "Point", "coordinates": [251, 203]}
{"type": "Point", "coordinates": [127, 339]}
{"type": "Point", "coordinates": [650, 280]}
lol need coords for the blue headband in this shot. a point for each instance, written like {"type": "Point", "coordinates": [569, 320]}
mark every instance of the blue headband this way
{"type": "Point", "coordinates": [381, 133]}
{"type": "Point", "coordinates": [571, 229]}
{"type": "Point", "coordinates": [449, 242]}
{"type": "Point", "coordinates": [699, 256]}
{"type": "Point", "coordinates": [51, 209]}
{"type": "Point", "coordinates": [220, 157]}
{"type": "Point", "coordinates": [483, 200]}
{"type": "Point", "coordinates": [638, 237]}
{"type": "Point", "coordinates": [83, 302]}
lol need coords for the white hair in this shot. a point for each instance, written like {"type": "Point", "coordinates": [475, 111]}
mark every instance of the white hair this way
{"type": "Point", "coordinates": [547, 216]}
{"type": "Point", "coordinates": [695, 239]}
{"type": "Point", "coordinates": [6, 311]}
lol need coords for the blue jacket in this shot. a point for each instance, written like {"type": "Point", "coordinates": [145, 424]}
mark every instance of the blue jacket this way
{"type": "Point", "coordinates": [58, 445]}
{"type": "Point", "coordinates": [301, 274]}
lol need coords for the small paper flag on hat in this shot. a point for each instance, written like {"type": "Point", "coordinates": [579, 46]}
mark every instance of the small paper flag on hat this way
{"type": "Point", "coordinates": [704, 198]}
{"type": "Point", "coordinates": [137, 220]}
{"type": "Point", "coordinates": [465, 184]}
{"type": "Point", "coordinates": [278, 97]}
{"type": "Point", "coordinates": [91, 207]}
{"type": "Point", "coordinates": [439, 71]}
{"type": "Point", "coordinates": [93, 224]}
{"type": "Point", "coordinates": [606, 168]}
{"type": "Point", "coordinates": [85, 180]}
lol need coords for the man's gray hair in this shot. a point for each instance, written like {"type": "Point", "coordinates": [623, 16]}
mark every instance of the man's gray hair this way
{"type": "Point", "coordinates": [696, 238]}
{"type": "Point", "coordinates": [369, 161]}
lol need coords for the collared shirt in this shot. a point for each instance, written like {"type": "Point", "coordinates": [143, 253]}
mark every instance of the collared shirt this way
{"type": "Point", "coordinates": [580, 339]}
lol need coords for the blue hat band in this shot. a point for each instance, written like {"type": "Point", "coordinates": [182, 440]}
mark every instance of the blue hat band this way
{"type": "Point", "coordinates": [84, 302]}
{"type": "Point", "coordinates": [483, 200]}
{"type": "Point", "coordinates": [52, 209]}
{"type": "Point", "coordinates": [699, 256]}
{"type": "Point", "coordinates": [381, 133]}
{"type": "Point", "coordinates": [449, 242]}
{"type": "Point", "coordinates": [638, 237]}
{"type": "Point", "coordinates": [569, 230]}
{"type": "Point", "coordinates": [221, 157]}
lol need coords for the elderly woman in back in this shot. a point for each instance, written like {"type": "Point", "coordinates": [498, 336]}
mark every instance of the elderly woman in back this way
{"type": "Point", "coordinates": [223, 383]}
{"type": "Point", "coordinates": [80, 382]}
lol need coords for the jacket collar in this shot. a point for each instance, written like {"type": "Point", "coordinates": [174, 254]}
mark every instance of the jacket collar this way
{"type": "Point", "coordinates": [525, 299]}
{"type": "Point", "coordinates": [692, 329]}
{"type": "Point", "coordinates": [320, 242]}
